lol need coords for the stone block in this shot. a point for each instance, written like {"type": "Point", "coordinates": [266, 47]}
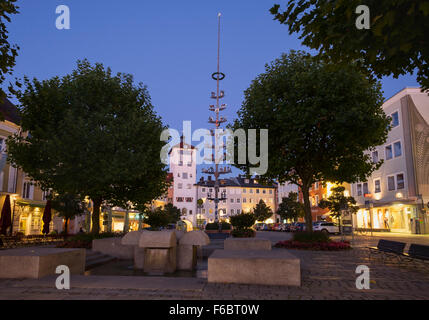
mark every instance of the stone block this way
{"type": "Point", "coordinates": [36, 262]}
{"type": "Point", "coordinates": [138, 257]}
{"type": "Point", "coordinates": [247, 244]}
{"type": "Point", "coordinates": [113, 247]}
{"type": "Point", "coordinates": [132, 238]}
{"type": "Point", "coordinates": [186, 257]}
{"type": "Point", "coordinates": [158, 239]}
{"type": "Point", "coordinates": [158, 261]}
{"type": "Point", "coordinates": [262, 267]}
{"type": "Point", "coordinates": [196, 238]}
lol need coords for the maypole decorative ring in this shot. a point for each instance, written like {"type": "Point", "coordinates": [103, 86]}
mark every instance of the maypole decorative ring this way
{"type": "Point", "coordinates": [218, 76]}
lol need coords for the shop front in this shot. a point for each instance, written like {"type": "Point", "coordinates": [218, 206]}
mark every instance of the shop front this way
{"type": "Point", "coordinates": [394, 218]}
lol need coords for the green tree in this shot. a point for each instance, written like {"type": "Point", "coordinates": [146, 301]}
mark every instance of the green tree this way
{"type": "Point", "coordinates": [337, 202]}
{"type": "Point", "coordinates": [161, 217]}
{"type": "Point", "coordinates": [68, 206]}
{"type": "Point", "coordinates": [322, 120]}
{"type": "Point", "coordinates": [261, 211]}
{"type": "Point", "coordinates": [8, 52]}
{"type": "Point", "coordinates": [396, 43]}
{"type": "Point", "coordinates": [91, 133]}
{"type": "Point", "coordinates": [173, 212]}
{"type": "Point", "coordinates": [290, 208]}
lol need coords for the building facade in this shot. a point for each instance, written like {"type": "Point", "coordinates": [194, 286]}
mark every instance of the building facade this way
{"type": "Point", "coordinates": [394, 197]}
{"type": "Point", "coordinates": [241, 193]}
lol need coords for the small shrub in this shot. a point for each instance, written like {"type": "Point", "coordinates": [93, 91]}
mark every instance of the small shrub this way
{"type": "Point", "coordinates": [84, 240]}
{"type": "Point", "coordinates": [212, 226]}
{"type": "Point", "coordinates": [316, 236]}
{"type": "Point", "coordinates": [243, 233]}
{"type": "Point", "coordinates": [319, 246]}
{"type": "Point", "coordinates": [243, 220]}
{"type": "Point", "coordinates": [225, 225]}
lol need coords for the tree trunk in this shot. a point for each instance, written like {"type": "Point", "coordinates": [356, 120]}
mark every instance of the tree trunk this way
{"type": "Point", "coordinates": [96, 215]}
{"type": "Point", "coordinates": [66, 224]}
{"type": "Point", "coordinates": [126, 222]}
{"type": "Point", "coordinates": [307, 208]}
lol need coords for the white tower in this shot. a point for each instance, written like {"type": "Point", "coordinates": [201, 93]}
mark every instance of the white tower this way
{"type": "Point", "coordinates": [183, 167]}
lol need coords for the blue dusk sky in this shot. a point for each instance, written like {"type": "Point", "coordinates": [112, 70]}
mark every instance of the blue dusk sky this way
{"type": "Point", "coordinates": [170, 46]}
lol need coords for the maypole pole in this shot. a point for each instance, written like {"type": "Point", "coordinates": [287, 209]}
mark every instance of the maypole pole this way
{"type": "Point", "coordinates": [216, 171]}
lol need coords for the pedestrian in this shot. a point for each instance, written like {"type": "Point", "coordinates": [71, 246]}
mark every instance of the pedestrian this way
{"type": "Point", "coordinates": [386, 222]}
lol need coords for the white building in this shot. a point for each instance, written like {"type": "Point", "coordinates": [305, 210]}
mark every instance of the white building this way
{"type": "Point", "coordinates": [394, 197]}
{"type": "Point", "coordinates": [184, 170]}
{"type": "Point", "coordinates": [242, 195]}
{"type": "Point", "coordinates": [284, 189]}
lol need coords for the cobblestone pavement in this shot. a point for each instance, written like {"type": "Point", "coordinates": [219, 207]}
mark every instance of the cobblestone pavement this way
{"type": "Point", "coordinates": [325, 275]}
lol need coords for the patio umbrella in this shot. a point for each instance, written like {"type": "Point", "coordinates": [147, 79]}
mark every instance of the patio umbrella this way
{"type": "Point", "coordinates": [6, 213]}
{"type": "Point", "coordinates": [46, 217]}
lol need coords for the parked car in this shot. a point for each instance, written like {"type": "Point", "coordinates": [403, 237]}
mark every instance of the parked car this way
{"type": "Point", "coordinates": [286, 227]}
{"type": "Point", "coordinates": [278, 227]}
{"type": "Point", "coordinates": [260, 227]}
{"type": "Point", "coordinates": [298, 227]}
{"type": "Point", "coordinates": [327, 227]}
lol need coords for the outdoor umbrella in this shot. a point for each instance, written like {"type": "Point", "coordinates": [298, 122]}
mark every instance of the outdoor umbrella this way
{"type": "Point", "coordinates": [46, 217]}
{"type": "Point", "coordinates": [6, 213]}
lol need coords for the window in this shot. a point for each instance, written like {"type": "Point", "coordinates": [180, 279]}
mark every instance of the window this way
{"type": "Point", "coordinates": [271, 191]}
{"type": "Point", "coordinates": [232, 200]}
{"type": "Point", "coordinates": [244, 190]}
{"type": "Point", "coordinates": [250, 200]}
{"type": "Point", "coordinates": [251, 191]}
{"type": "Point", "coordinates": [179, 199]}
{"type": "Point", "coordinates": [257, 190]}
{"type": "Point", "coordinates": [185, 175]}
{"type": "Point", "coordinates": [190, 211]}
{"type": "Point", "coordinates": [375, 156]}
{"type": "Point", "coordinates": [389, 154]}
{"type": "Point", "coordinates": [397, 149]}
{"type": "Point", "coordinates": [2, 145]}
{"type": "Point", "coordinates": [391, 183]}
{"type": "Point", "coordinates": [27, 190]}
{"type": "Point", "coordinates": [244, 200]}
{"type": "Point", "coordinates": [395, 119]}
{"type": "Point", "coordinates": [377, 186]}
{"type": "Point", "coordinates": [179, 185]}
{"type": "Point", "coordinates": [203, 189]}
{"type": "Point", "coordinates": [232, 211]}
{"type": "Point", "coordinates": [180, 163]}
{"type": "Point", "coordinates": [204, 211]}
{"type": "Point", "coordinates": [365, 188]}
{"type": "Point", "coordinates": [178, 175]}
{"type": "Point", "coordinates": [400, 183]}
{"type": "Point", "coordinates": [359, 189]}
{"type": "Point", "coordinates": [317, 200]}
{"type": "Point", "coordinates": [263, 191]}
{"type": "Point", "coordinates": [45, 195]}
{"type": "Point", "coordinates": [316, 185]}
{"type": "Point", "coordinates": [189, 186]}
{"type": "Point", "coordinates": [238, 211]}
{"type": "Point", "coordinates": [190, 165]}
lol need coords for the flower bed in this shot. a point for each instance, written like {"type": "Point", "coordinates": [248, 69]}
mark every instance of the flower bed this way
{"type": "Point", "coordinates": [317, 245]}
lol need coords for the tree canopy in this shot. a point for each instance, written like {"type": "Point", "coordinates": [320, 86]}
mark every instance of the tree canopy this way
{"type": "Point", "coordinates": [396, 42]}
{"type": "Point", "coordinates": [91, 133]}
{"type": "Point", "coordinates": [261, 211]}
{"type": "Point", "coordinates": [290, 208]}
{"type": "Point", "coordinates": [321, 119]}
{"type": "Point", "coordinates": [8, 52]}
{"type": "Point", "coordinates": [67, 206]}
{"type": "Point", "coordinates": [337, 202]}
